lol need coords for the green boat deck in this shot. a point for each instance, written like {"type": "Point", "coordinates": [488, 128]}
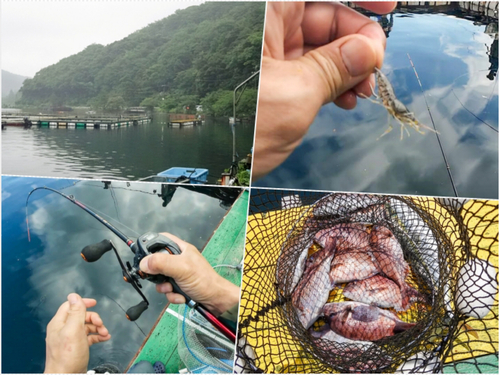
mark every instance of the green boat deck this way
{"type": "Point", "coordinates": [226, 246]}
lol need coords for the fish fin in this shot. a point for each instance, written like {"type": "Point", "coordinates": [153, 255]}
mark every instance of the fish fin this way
{"type": "Point", "coordinates": [317, 242]}
{"type": "Point", "coordinates": [402, 326]}
{"type": "Point", "coordinates": [319, 333]}
{"type": "Point", "coordinates": [405, 300]}
{"type": "Point", "coordinates": [469, 329]}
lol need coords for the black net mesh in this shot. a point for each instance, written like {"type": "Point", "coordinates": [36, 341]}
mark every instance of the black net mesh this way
{"type": "Point", "coordinates": [423, 271]}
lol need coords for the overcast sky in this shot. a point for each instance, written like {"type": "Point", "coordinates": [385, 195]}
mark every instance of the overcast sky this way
{"type": "Point", "coordinates": [39, 33]}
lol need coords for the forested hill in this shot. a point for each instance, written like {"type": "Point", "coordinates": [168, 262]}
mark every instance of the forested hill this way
{"type": "Point", "coordinates": [11, 82]}
{"type": "Point", "coordinates": [191, 56]}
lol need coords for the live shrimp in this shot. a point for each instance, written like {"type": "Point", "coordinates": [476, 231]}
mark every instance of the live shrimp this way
{"type": "Point", "coordinates": [395, 108]}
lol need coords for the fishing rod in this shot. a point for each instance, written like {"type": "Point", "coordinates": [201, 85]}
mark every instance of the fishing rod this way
{"type": "Point", "coordinates": [146, 244]}
{"type": "Point", "coordinates": [448, 168]}
{"type": "Point", "coordinates": [82, 206]}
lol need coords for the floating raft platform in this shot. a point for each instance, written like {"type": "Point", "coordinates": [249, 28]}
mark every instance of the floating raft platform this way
{"type": "Point", "coordinates": [77, 123]}
{"type": "Point", "coordinates": [181, 123]}
{"type": "Point", "coordinates": [91, 123]}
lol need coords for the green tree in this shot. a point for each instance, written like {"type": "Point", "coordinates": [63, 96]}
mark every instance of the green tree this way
{"type": "Point", "coordinates": [150, 103]}
{"type": "Point", "coordinates": [115, 103]}
{"type": "Point", "coordinates": [224, 104]}
{"type": "Point", "coordinates": [247, 103]}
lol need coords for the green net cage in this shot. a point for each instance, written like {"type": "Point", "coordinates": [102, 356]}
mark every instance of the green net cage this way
{"type": "Point", "coordinates": [434, 307]}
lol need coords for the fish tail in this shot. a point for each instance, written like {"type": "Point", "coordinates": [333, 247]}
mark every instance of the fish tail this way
{"type": "Point", "coordinates": [402, 326]}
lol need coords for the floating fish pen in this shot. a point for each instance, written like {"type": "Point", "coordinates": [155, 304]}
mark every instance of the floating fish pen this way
{"type": "Point", "coordinates": [450, 250]}
{"type": "Point", "coordinates": [184, 123]}
{"type": "Point", "coordinates": [94, 123]}
{"type": "Point", "coordinates": [486, 9]}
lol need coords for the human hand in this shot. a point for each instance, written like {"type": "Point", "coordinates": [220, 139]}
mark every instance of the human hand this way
{"type": "Point", "coordinates": [70, 333]}
{"type": "Point", "coordinates": [194, 275]}
{"type": "Point", "coordinates": [314, 53]}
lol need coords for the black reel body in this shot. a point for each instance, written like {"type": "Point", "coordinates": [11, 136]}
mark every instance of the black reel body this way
{"type": "Point", "coordinates": [150, 243]}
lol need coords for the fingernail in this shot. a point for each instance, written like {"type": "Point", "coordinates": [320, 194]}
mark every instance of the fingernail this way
{"type": "Point", "coordinates": [356, 58]}
{"type": "Point", "coordinates": [73, 299]}
{"type": "Point", "coordinates": [144, 265]}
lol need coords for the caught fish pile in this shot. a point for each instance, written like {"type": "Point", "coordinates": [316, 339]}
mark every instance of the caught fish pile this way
{"type": "Point", "coordinates": [370, 260]}
{"type": "Point", "coordinates": [365, 283]}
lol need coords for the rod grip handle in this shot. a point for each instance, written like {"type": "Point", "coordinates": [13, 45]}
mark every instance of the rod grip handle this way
{"type": "Point", "coordinates": [94, 252]}
{"type": "Point", "coordinates": [178, 290]}
{"type": "Point", "coordinates": [134, 312]}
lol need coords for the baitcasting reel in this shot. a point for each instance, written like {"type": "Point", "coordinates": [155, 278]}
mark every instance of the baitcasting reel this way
{"type": "Point", "coordinates": [147, 244]}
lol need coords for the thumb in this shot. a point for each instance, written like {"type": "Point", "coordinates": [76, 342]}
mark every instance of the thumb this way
{"type": "Point", "coordinates": [341, 65]}
{"type": "Point", "coordinates": [77, 312]}
{"type": "Point", "coordinates": [161, 263]}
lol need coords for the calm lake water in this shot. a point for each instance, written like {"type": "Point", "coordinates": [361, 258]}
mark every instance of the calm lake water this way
{"type": "Point", "coordinates": [456, 61]}
{"type": "Point", "coordinates": [37, 276]}
{"type": "Point", "coordinates": [132, 152]}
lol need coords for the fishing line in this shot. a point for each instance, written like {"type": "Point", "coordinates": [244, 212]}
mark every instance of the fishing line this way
{"type": "Point", "coordinates": [436, 132]}
{"type": "Point", "coordinates": [489, 98]}
{"type": "Point", "coordinates": [71, 185]}
{"type": "Point", "coordinates": [118, 187]}
{"type": "Point", "coordinates": [484, 122]}
{"type": "Point", "coordinates": [117, 223]}
{"type": "Point", "coordinates": [105, 295]}
{"type": "Point", "coordinates": [114, 200]}
{"type": "Point", "coordinates": [135, 190]}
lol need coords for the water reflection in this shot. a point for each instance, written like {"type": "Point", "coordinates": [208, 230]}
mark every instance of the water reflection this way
{"type": "Point", "coordinates": [492, 52]}
{"type": "Point", "coordinates": [455, 60]}
{"type": "Point", "coordinates": [38, 275]}
{"type": "Point", "coordinates": [131, 153]}
{"type": "Point", "coordinates": [386, 22]}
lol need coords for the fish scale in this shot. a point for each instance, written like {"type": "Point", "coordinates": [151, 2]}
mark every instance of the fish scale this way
{"type": "Point", "coordinates": [313, 289]}
{"type": "Point", "coordinates": [347, 236]}
{"type": "Point", "coordinates": [390, 259]}
{"type": "Point", "coordinates": [351, 266]}
{"type": "Point", "coordinates": [376, 290]}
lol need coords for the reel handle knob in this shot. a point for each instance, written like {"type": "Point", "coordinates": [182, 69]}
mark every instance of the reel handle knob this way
{"type": "Point", "coordinates": [94, 252]}
{"type": "Point", "coordinates": [134, 312]}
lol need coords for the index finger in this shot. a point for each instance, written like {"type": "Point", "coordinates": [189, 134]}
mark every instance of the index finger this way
{"type": "Point", "coordinates": [183, 245]}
